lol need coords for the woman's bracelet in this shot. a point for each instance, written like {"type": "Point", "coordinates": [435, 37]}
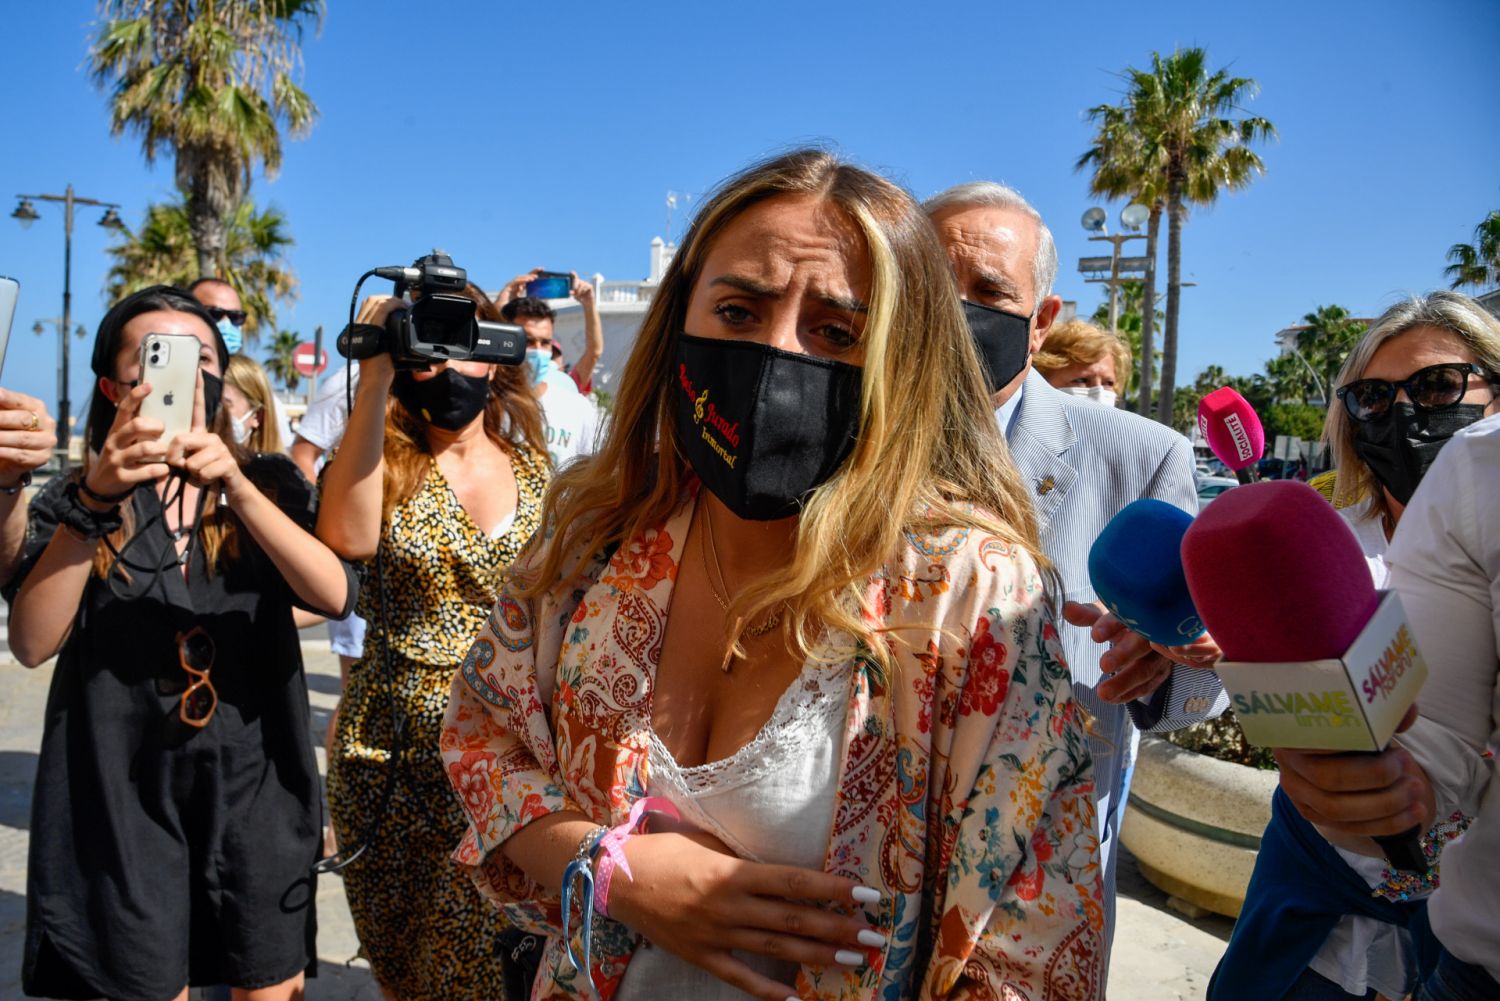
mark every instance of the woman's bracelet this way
{"type": "Point", "coordinates": [98, 498]}
{"type": "Point", "coordinates": [579, 870]}
{"type": "Point", "coordinates": [83, 522]}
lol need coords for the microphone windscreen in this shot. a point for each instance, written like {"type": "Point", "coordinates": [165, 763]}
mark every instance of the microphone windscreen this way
{"type": "Point", "coordinates": [1136, 568]}
{"type": "Point", "coordinates": [1277, 575]}
{"type": "Point", "coordinates": [1233, 431]}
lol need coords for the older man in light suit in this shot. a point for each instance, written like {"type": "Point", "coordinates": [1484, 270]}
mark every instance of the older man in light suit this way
{"type": "Point", "coordinates": [1084, 462]}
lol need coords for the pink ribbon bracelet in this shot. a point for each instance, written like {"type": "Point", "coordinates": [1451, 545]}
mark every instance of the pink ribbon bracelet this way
{"type": "Point", "coordinates": [611, 849]}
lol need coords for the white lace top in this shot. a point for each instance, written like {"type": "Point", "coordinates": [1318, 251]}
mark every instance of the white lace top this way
{"type": "Point", "coordinates": [770, 801]}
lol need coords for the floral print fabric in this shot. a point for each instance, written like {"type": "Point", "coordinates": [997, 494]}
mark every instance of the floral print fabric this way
{"type": "Point", "coordinates": [965, 792]}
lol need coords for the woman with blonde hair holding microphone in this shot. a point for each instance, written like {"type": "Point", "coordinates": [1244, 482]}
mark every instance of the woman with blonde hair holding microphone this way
{"type": "Point", "coordinates": [796, 602]}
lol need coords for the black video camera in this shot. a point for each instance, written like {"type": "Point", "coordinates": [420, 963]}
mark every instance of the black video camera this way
{"type": "Point", "coordinates": [439, 325]}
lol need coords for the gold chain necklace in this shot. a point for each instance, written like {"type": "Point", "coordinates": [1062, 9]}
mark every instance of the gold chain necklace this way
{"type": "Point", "coordinates": [708, 546]}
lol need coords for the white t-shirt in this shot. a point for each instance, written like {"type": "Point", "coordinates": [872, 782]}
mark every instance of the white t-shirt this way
{"type": "Point", "coordinates": [1360, 952]}
{"type": "Point", "coordinates": [1445, 564]}
{"type": "Point", "coordinates": [328, 414]}
{"type": "Point", "coordinates": [572, 422]}
{"type": "Point", "coordinates": [283, 426]}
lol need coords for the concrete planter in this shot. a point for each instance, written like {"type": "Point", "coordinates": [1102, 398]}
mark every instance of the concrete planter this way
{"type": "Point", "coordinates": [1194, 823]}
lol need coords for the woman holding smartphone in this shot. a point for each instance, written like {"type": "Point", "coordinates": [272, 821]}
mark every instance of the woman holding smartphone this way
{"type": "Point", "coordinates": [437, 484]}
{"type": "Point", "coordinates": [177, 810]}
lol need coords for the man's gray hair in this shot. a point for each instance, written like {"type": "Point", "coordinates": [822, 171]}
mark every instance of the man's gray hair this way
{"type": "Point", "coordinates": [991, 194]}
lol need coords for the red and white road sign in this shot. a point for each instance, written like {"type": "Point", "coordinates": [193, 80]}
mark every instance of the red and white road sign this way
{"type": "Point", "coordinates": [304, 362]}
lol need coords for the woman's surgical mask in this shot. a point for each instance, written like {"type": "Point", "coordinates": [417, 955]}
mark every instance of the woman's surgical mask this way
{"type": "Point", "coordinates": [1098, 394]}
{"type": "Point", "coordinates": [242, 426]}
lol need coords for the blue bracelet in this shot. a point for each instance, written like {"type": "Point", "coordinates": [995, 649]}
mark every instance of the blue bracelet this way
{"type": "Point", "coordinates": [581, 868]}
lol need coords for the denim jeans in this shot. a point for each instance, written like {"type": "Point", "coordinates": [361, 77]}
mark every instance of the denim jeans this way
{"type": "Point", "coordinates": [1455, 980]}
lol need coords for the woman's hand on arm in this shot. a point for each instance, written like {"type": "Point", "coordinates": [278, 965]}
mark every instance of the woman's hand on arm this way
{"type": "Point", "coordinates": [349, 510]}
{"type": "Point", "coordinates": [694, 898]}
{"type": "Point", "coordinates": [688, 894]}
{"type": "Point", "coordinates": [47, 603]}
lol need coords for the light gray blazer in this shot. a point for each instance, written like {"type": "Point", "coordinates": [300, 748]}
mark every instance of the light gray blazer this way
{"type": "Point", "coordinates": [1083, 463]}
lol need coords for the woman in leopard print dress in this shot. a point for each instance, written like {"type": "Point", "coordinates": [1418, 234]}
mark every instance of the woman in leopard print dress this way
{"type": "Point", "coordinates": [440, 474]}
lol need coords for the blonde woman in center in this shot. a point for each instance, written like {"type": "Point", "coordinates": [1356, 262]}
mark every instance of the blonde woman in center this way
{"type": "Point", "coordinates": [798, 595]}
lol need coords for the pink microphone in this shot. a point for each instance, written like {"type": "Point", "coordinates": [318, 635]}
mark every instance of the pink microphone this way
{"type": "Point", "coordinates": [1314, 655]}
{"type": "Point", "coordinates": [1228, 422]}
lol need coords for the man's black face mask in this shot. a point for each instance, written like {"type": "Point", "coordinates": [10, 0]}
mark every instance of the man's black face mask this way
{"type": "Point", "coordinates": [1003, 341]}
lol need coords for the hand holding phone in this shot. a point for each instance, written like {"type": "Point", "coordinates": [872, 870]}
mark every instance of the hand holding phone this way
{"type": "Point", "coordinates": [133, 451]}
{"type": "Point", "coordinates": [550, 285]}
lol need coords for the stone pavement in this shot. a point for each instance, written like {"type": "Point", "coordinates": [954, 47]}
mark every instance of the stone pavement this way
{"type": "Point", "coordinates": [1159, 955]}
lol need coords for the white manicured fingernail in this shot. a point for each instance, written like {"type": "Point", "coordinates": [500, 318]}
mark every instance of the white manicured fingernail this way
{"type": "Point", "coordinates": [793, 997]}
{"type": "Point", "coordinates": [848, 957]}
{"type": "Point", "coordinates": [871, 938]}
{"type": "Point", "coordinates": [866, 895]}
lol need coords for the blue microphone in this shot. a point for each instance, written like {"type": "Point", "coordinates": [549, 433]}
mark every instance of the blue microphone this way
{"type": "Point", "coordinates": [1136, 568]}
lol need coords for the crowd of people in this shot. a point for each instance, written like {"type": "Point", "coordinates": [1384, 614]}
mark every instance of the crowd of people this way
{"type": "Point", "coordinates": [784, 678]}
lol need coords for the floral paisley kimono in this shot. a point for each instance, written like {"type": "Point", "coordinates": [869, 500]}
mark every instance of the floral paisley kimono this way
{"type": "Point", "coordinates": [965, 785]}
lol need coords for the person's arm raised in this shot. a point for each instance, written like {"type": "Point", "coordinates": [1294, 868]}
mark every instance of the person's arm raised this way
{"type": "Point", "coordinates": [349, 512]}
{"type": "Point", "coordinates": [44, 609]}
{"type": "Point", "coordinates": [593, 332]}
{"type": "Point", "coordinates": [310, 568]}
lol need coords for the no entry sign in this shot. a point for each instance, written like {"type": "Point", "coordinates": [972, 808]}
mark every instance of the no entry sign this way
{"type": "Point", "coordinates": [305, 362]}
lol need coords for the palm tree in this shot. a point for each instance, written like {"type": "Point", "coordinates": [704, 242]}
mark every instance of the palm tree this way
{"type": "Point", "coordinates": [253, 259]}
{"type": "Point", "coordinates": [279, 364]}
{"type": "Point", "coordinates": [1175, 141]}
{"type": "Point", "coordinates": [1329, 336]}
{"type": "Point", "coordinates": [1210, 379]}
{"type": "Point", "coordinates": [1478, 263]}
{"type": "Point", "coordinates": [210, 80]}
{"type": "Point", "coordinates": [1289, 380]}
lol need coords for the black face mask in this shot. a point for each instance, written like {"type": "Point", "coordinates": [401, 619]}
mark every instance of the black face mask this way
{"type": "Point", "coordinates": [213, 396]}
{"type": "Point", "coordinates": [449, 400]}
{"type": "Point", "coordinates": [1003, 341]}
{"type": "Point", "coordinates": [1400, 446]}
{"type": "Point", "coordinates": [762, 428]}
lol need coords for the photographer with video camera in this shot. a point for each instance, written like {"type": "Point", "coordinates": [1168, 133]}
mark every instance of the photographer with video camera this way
{"type": "Point", "coordinates": [177, 805]}
{"type": "Point", "coordinates": [436, 485]}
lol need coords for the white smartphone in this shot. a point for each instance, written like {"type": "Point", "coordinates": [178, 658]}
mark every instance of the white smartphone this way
{"type": "Point", "coordinates": [10, 291]}
{"type": "Point", "coordinates": [169, 362]}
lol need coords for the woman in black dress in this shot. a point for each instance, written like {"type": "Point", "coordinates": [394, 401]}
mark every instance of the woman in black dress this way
{"type": "Point", "coordinates": [176, 813]}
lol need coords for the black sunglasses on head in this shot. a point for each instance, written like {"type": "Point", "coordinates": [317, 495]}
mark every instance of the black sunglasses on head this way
{"type": "Point", "coordinates": [236, 316]}
{"type": "Point", "coordinates": [1436, 387]}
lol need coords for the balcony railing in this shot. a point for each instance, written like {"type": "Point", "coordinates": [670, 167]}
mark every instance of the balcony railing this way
{"type": "Point", "coordinates": [625, 292]}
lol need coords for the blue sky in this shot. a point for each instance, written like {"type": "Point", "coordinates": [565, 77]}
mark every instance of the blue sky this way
{"type": "Point", "coordinates": [515, 136]}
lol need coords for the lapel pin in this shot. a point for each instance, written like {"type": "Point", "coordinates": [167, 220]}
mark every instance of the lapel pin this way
{"type": "Point", "coordinates": [1045, 485]}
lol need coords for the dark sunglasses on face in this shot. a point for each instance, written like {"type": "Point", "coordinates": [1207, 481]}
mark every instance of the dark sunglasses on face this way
{"type": "Point", "coordinates": [1436, 387]}
{"type": "Point", "coordinates": [195, 652]}
{"type": "Point", "coordinates": [235, 316]}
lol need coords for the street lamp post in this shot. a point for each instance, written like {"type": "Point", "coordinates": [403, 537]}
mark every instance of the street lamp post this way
{"type": "Point", "coordinates": [1114, 270]}
{"type": "Point", "coordinates": [26, 214]}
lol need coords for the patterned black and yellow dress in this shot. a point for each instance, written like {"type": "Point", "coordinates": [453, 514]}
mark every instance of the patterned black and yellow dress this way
{"type": "Point", "coordinates": [428, 933]}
